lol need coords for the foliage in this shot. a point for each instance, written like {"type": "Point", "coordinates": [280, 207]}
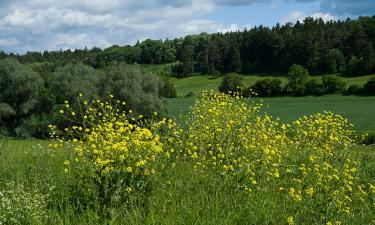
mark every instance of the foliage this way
{"type": "Point", "coordinates": [267, 87]}
{"type": "Point", "coordinates": [232, 82]}
{"type": "Point", "coordinates": [369, 87]}
{"type": "Point", "coordinates": [314, 87]}
{"type": "Point", "coordinates": [297, 77]}
{"type": "Point", "coordinates": [112, 154]}
{"type": "Point", "coordinates": [128, 83]}
{"type": "Point", "coordinates": [335, 61]}
{"type": "Point", "coordinates": [353, 90]}
{"type": "Point", "coordinates": [320, 46]}
{"type": "Point", "coordinates": [333, 85]}
{"type": "Point", "coordinates": [20, 88]}
{"type": "Point", "coordinates": [167, 90]}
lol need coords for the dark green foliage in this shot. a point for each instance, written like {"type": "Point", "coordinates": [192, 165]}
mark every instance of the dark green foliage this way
{"type": "Point", "coordinates": [314, 87]}
{"type": "Point", "coordinates": [332, 85]}
{"type": "Point", "coordinates": [232, 82]}
{"type": "Point", "coordinates": [369, 87]}
{"type": "Point", "coordinates": [267, 87]}
{"type": "Point", "coordinates": [70, 80]}
{"type": "Point", "coordinates": [127, 83]}
{"type": "Point", "coordinates": [355, 66]}
{"type": "Point", "coordinates": [297, 77]}
{"type": "Point", "coordinates": [167, 90]}
{"type": "Point", "coordinates": [354, 90]}
{"type": "Point", "coordinates": [20, 88]}
{"type": "Point", "coordinates": [321, 47]}
{"type": "Point", "coordinates": [335, 61]}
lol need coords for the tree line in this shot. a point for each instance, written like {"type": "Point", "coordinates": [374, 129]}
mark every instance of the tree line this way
{"type": "Point", "coordinates": [299, 84]}
{"type": "Point", "coordinates": [346, 47]}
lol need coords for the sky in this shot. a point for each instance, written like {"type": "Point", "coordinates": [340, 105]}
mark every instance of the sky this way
{"type": "Point", "coordinates": [38, 25]}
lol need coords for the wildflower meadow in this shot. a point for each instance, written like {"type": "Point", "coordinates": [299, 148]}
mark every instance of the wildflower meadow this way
{"type": "Point", "coordinates": [226, 162]}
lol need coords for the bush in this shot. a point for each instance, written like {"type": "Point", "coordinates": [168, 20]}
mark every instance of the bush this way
{"type": "Point", "coordinates": [354, 89]}
{"type": "Point", "coordinates": [70, 80]}
{"type": "Point", "coordinates": [111, 155]}
{"type": "Point", "coordinates": [127, 83]}
{"type": "Point", "coordinates": [189, 94]}
{"type": "Point", "coordinates": [167, 90]}
{"type": "Point", "coordinates": [298, 77]}
{"type": "Point", "coordinates": [232, 82]}
{"type": "Point", "coordinates": [267, 87]}
{"type": "Point", "coordinates": [332, 85]}
{"type": "Point", "coordinates": [369, 87]}
{"type": "Point", "coordinates": [335, 61]}
{"type": "Point", "coordinates": [355, 66]}
{"type": "Point", "coordinates": [314, 87]}
{"type": "Point", "coordinates": [20, 88]}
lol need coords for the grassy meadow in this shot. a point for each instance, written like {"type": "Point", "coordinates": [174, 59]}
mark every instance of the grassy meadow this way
{"type": "Point", "coordinates": [359, 110]}
{"type": "Point", "coordinates": [200, 83]}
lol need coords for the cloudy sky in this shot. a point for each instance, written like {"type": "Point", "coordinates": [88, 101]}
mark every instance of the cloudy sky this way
{"type": "Point", "coordinates": [37, 25]}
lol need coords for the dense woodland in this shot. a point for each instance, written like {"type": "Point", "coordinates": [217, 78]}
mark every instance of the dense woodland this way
{"type": "Point", "coordinates": [346, 46]}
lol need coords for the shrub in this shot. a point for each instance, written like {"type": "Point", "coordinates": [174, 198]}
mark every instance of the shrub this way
{"type": "Point", "coordinates": [20, 88]}
{"type": "Point", "coordinates": [189, 94]}
{"type": "Point", "coordinates": [167, 90]}
{"type": "Point", "coordinates": [335, 61]}
{"type": "Point", "coordinates": [267, 87]}
{"type": "Point", "coordinates": [332, 85]}
{"type": "Point", "coordinates": [111, 154]}
{"type": "Point", "coordinates": [298, 77]}
{"type": "Point", "coordinates": [70, 80]}
{"type": "Point", "coordinates": [314, 87]}
{"type": "Point", "coordinates": [354, 89]}
{"type": "Point", "coordinates": [232, 82]}
{"type": "Point", "coordinates": [369, 87]}
{"type": "Point", "coordinates": [127, 83]}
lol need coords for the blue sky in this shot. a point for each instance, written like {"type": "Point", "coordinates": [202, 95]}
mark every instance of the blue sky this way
{"type": "Point", "coordinates": [37, 25]}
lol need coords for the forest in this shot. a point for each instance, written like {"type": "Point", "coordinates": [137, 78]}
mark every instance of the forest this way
{"type": "Point", "coordinates": [345, 47]}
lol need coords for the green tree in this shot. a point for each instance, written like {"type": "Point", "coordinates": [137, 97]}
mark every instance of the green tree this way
{"type": "Point", "coordinates": [335, 61]}
{"type": "Point", "coordinates": [297, 77]}
{"type": "Point", "coordinates": [369, 87]}
{"type": "Point", "coordinates": [19, 96]}
{"type": "Point", "coordinates": [333, 84]}
{"type": "Point", "coordinates": [267, 87]}
{"type": "Point", "coordinates": [232, 82]}
{"type": "Point", "coordinates": [140, 90]}
{"type": "Point", "coordinates": [71, 80]}
{"type": "Point", "coordinates": [314, 87]}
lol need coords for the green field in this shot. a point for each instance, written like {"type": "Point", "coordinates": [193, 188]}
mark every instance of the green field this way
{"type": "Point", "coordinates": [197, 84]}
{"type": "Point", "coordinates": [359, 110]}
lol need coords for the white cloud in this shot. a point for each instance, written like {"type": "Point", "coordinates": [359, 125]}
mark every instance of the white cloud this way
{"type": "Point", "coordinates": [56, 24]}
{"type": "Point", "coordinates": [8, 41]}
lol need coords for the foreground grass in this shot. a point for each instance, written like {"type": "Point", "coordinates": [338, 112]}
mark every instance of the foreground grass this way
{"type": "Point", "coordinates": [179, 196]}
{"type": "Point", "coordinates": [359, 110]}
{"type": "Point", "coordinates": [198, 84]}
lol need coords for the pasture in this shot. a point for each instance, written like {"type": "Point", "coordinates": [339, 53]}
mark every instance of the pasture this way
{"type": "Point", "coordinates": [359, 110]}
{"type": "Point", "coordinates": [200, 83]}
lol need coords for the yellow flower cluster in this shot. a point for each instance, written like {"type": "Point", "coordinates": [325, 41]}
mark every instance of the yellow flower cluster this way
{"type": "Point", "coordinates": [229, 134]}
{"type": "Point", "coordinates": [305, 163]}
{"type": "Point", "coordinates": [108, 139]}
